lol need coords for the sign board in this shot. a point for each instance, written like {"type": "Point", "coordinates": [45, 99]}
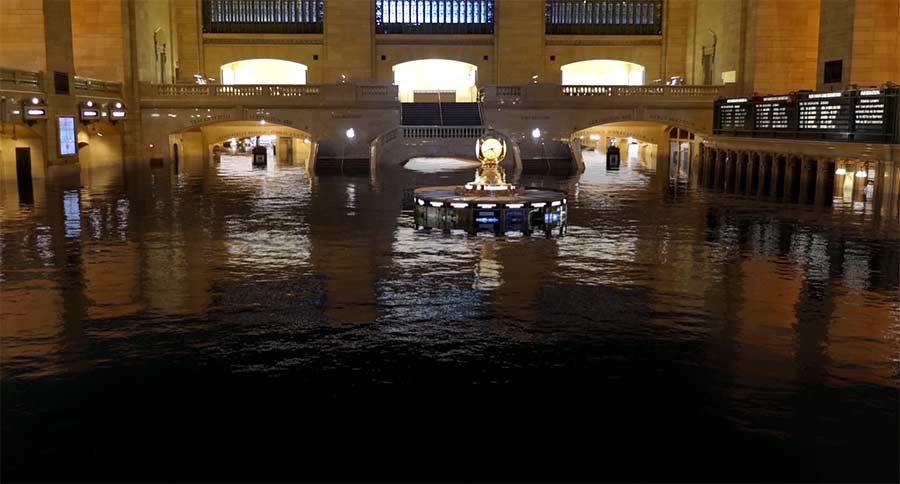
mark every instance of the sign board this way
{"type": "Point", "coordinates": [825, 111]}
{"type": "Point", "coordinates": [67, 139]}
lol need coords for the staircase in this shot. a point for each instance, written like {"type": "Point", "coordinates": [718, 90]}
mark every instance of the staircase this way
{"type": "Point", "coordinates": [440, 114]}
{"type": "Point", "coordinates": [420, 114]}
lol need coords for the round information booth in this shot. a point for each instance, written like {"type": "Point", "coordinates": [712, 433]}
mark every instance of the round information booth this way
{"type": "Point", "coordinates": [489, 204]}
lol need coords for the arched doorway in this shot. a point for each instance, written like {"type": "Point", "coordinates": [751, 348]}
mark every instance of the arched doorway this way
{"type": "Point", "coordinates": [603, 72]}
{"type": "Point", "coordinates": [229, 145]}
{"type": "Point", "coordinates": [433, 80]}
{"type": "Point", "coordinates": [263, 71]}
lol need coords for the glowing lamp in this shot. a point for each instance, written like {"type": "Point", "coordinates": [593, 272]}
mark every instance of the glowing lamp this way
{"type": "Point", "coordinates": [840, 171]}
{"type": "Point", "coordinates": [536, 133]}
{"type": "Point", "coordinates": [351, 133]}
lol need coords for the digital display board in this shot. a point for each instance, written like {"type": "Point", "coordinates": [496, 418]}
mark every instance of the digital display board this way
{"type": "Point", "coordinates": [869, 111]}
{"type": "Point", "coordinates": [863, 115]}
{"type": "Point", "coordinates": [772, 113]}
{"type": "Point", "coordinates": [67, 140]}
{"type": "Point", "coordinates": [515, 220]}
{"type": "Point", "coordinates": [825, 111]}
{"type": "Point", "coordinates": [487, 220]}
{"type": "Point", "coordinates": [734, 114]}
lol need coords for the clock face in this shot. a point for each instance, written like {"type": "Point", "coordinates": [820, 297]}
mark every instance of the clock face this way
{"type": "Point", "coordinates": [491, 147]}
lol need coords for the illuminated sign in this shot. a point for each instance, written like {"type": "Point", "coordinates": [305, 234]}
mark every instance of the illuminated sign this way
{"type": "Point", "coordinates": [89, 113]}
{"type": "Point", "coordinates": [771, 114]}
{"type": "Point", "coordinates": [869, 113]}
{"type": "Point", "coordinates": [825, 114]}
{"type": "Point", "coordinates": [487, 220]}
{"type": "Point", "coordinates": [118, 114]}
{"type": "Point", "coordinates": [819, 95]}
{"type": "Point", "coordinates": [734, 116]}
{"type": "Point", "coordinates": [66, 136]}
{"type": "Point", "coordinates": [870, 92]}
{"type": "Point", "coordinates": [740, 100]}
{"type": "Point", "coordinates": [35, 112]}
{"type": "Point", "coordinates": [552, 217]}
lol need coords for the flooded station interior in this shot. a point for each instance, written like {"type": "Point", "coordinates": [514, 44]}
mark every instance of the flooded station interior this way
{"type": "Point", "coordinates": [240, 240]}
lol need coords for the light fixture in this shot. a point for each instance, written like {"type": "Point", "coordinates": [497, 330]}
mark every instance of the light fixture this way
{"type": "Point", "coordinates": [16, 111]}
{"type": "Point", "coordinates": [861, 173]}
{"type": "Point", "coordinates": [536, 133]}
{"type": "Point", "coordinates": [151, 146]}
{"type": "Point", "coordinates": [262, 121]}
{"type": "Point", "coordinates": [89, 104]}
{"type": "Point", "coordinates": [595, 137]}
{"type": "Point", "coordinates": [306, 140]}
{"type": "Point", "coordinates": [840, 171]}
{"type": "Point", "coordinates": [35, 100]}
{"type": "Point", "coordinates": [351, 133]}
{"type": "Point", "coordinates": [118, 105]}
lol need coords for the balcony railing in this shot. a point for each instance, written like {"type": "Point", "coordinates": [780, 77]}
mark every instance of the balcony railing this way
{"type": "Point", "coordinates": [434, 16]}
{"type": "Point", "coordinates": [620, 91]}
{"type": "Point", "coordinates": [19, 80]}
{"type": "Point", "coordinates": [87, 85]}
{"type": "Point", "coordinates": [263, 16]}
{"type": "Point", "coordinates": [288, 93]}
{"type": "Point", "coordinates": [604, 17]}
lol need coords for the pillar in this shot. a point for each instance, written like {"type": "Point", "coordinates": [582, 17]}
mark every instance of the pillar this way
{"type": "Point", "coordinates": [729, 169]}
{"type": "Point", "coordinates": [824, 182]}
{"type": "Point", "coordinates": [519, 43]}
{"type": "Point", "coordinates": [348, 40]}
{"type": "Point", "coordinates": [60, 61]}
{"type": "Point", "coordinates": [764, 184]}
{"type": "Point", "coordinates": [779, 173]}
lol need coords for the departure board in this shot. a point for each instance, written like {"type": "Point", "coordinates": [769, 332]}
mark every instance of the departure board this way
{"type": "Point", "coordinates": [734, 114]}
{"type": "Point", "coordinates": [825, 111]}
{"type": "Point", "coordinates": [771, 113]}
{"type": "Point", "coordinates": [869, 111]}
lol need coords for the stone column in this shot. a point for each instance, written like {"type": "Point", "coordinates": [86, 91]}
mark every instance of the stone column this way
{"type": "Point", "coordinates": [60, 63]}
{"type": "Point", "coordinates": [765, 173]}
{"type": "Point", "coordinates": [729, 170]}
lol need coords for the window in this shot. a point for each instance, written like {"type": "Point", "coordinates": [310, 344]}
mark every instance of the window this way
{"type": "Point", "coordinates": [834, 71]}
{"type": "Point", "coordinates": [434, 16]}
{"type": "Point", "coordinates": [604, 17]}
{"type": "Point", "coordinates": [266, 17]}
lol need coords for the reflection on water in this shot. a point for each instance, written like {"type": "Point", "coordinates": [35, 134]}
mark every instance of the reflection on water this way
{"type": "Point", "coordinates": [217, 307]}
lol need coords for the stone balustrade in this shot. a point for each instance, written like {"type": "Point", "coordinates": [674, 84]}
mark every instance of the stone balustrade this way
{"type": "Point", "coordinates": [86, 86]}
{"type": "Point", "coordinates": [289, 95]}
{"type": "Point", "coordinates": [19, 80]}
{"type": "Point", "coordinates": [555, 94]}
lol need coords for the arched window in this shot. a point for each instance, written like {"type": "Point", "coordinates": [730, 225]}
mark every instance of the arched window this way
{"type": "Point", "coordinates": [603, 72]}
{"type": "Point", "coordinates": [263, 71]}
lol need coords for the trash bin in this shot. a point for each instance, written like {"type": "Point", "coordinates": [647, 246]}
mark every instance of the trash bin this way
{"type": "Point", "coordinates": [613, 158]}
{"type": "Point", "coordinates": [259, 156]}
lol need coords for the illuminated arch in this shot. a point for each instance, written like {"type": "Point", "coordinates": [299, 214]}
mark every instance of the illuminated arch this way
{"type": "Point", "coordinates": [603, 72]}
{"type": "Point", "coordinates": [425, 78]}
{"type": "Point", "coordinates": [263, 71]}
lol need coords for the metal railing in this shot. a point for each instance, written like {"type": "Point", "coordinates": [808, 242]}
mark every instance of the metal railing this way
{"type": "Point", "coordinates": [441, 131]}
{"type": "Point", "coordinates": [21, 80]}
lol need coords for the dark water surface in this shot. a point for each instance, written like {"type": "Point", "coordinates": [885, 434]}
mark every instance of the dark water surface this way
{"type": "Point", "coordinates": [231, 324]}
